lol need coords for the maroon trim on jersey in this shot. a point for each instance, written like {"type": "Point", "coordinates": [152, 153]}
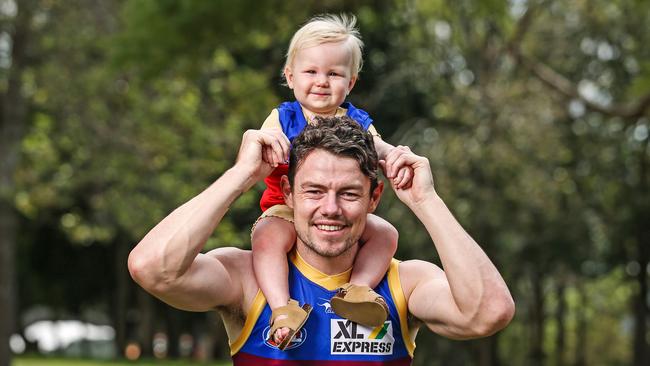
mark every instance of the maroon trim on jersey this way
{"type": "Point", "coordinates": [245, 359]}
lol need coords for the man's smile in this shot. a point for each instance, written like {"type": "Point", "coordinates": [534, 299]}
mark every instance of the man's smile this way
{"type": "Point", "coordinates": [329, 227]}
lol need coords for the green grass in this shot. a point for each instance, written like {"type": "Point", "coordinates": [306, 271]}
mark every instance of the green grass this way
{"type": "Point", "coordinates": [51, 361]}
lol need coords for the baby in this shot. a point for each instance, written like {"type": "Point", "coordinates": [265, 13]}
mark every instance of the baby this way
{"type": "Point", "coordinates": [322, 66]}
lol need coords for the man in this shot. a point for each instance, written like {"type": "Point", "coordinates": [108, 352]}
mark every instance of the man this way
{"type": "Point", "coordinates": [332, 186]}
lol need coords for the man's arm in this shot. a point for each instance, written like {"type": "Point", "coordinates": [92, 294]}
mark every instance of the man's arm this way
{"type": "Point", "coordinates": [167, 262]}
{"type": "Point", "coordinates": [470, 298]}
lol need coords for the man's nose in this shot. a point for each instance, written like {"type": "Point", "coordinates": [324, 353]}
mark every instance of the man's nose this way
{"type": "Point", "coordinates": [330, 205]}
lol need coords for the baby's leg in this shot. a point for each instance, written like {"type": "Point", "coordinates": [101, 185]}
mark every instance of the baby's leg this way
{"type": "Point", "coordinates": [272, 239]}
{"type": "Point", "coordinates": [379, 246]}
{"type": "Point", "coordinates": [357, 301]}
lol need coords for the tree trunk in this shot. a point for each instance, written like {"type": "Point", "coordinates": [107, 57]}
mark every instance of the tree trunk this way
{"type": "Point", "coordinates": [122, 282]}
{"type": "Point", "coordinates": [560, 315]}
{"type": "Point", "coordinates": [7, 288]}
{"type": "Point", "coordinates": [145, 326]}
{"type": "Point", "coordinates": [488, 351]}
{"type": "Point", "coordinates": [537, 320]}
{"type": "Point", "coordinates": [173, 332]}
{"type": "Point", "coordinates": [13, 122]}
{"type": "Point", "coordinates": [581, 336]}
{"type": "Point", "coordinates": [641, 312]}
{"type": "Point", "coordinates": [641, 354]}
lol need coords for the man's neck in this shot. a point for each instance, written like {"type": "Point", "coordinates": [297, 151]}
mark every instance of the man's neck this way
{"type": "Point", "coordinates": [327, 265]}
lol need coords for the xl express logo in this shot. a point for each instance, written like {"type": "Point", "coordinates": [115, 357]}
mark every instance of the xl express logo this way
{"type": "Point", "coordinates": [349, 338]}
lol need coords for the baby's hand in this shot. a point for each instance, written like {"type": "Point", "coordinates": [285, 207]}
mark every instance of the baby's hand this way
{"type": "Point", "coordinates": [271, 157]}
{"type": "Point", "coordinates": [404, 176]}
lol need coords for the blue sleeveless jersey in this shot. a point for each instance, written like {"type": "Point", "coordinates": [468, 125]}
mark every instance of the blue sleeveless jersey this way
{"type": "Point", "coordinates": [327, 339]}
{"type": "Point", "coordinates": [293, 120]}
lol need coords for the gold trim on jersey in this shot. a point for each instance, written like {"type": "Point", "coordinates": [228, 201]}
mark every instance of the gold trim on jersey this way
{"type": "Point", "coordinates": [330, 282]}
{"type": "Point", "coordinates": [397, 293]}
{"type": "Point", "coordinates": [251, 318]}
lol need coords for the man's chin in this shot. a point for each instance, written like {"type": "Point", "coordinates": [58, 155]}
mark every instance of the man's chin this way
{"type": "Point", "coordinates": [329, 249]}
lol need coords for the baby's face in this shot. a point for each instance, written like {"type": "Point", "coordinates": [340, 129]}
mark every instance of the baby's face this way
{"type": "Point", "coordinates": [321, 77]}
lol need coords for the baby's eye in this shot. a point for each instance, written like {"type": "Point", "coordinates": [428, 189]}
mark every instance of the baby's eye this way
{"type": "Point", "coordinates": [310, 71]}
{"type": "Point", "coordinates": [332, 73]}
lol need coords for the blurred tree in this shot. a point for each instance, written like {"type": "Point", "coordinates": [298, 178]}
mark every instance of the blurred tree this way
{"type": "Point", "coordinates": [17, 31]}
{"type": "Point", "coordinates": [534, 115]}
{"type": "Point", "coordinates": [532, 174]}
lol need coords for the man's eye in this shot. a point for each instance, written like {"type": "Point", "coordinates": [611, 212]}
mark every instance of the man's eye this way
{"type": "Point", "coordinates": [349, 195]}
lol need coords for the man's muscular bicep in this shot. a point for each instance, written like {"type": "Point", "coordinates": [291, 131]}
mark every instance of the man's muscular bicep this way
{"type": "Point", "coordinates": [211, 281]}
{"type": "Point", "coordinates": [430, 300]}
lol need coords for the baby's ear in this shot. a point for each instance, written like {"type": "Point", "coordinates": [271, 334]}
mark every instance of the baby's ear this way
{"type": "Point", "coordinates": [288, 76]}
{"type": "Point", "coordinates": [353, 80]}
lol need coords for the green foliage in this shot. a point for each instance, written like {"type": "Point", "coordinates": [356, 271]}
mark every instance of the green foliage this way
{"type": "Point", "coordinates": [135, 106]}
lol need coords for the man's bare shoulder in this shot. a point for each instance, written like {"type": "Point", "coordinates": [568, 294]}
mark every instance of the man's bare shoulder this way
{"type": "Point", "coordinates": [417, 266]}
{"type": "Point", "coordinates": [413, 271]}
{"type": "Point", "coordinates": [231, 255]}
{"type": "Point", "coordinates": [239, 265]}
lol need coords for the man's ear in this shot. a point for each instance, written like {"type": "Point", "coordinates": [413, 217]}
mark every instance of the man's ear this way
{"type": "Point", "coordinates": [375, 196]}
{"type": "Point", "coordinates": [288, 75]}
{"type": "Point", "coordinates": [286, 191]}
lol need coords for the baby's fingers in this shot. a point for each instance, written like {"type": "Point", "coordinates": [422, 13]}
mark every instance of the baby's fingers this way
{"type": "Point", "coordinates": [398, 181]}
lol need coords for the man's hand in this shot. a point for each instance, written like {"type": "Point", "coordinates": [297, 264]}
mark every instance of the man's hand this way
{"type": "Point", "coordinates": [403, 176]}
{"type": "Point", "coordinates": [398, 160]}
{"type": "Point", "coordinates": [260, 152]}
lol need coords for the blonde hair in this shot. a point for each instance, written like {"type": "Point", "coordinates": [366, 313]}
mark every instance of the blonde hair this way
{"type": "Point", "coordinates": [328, 28]}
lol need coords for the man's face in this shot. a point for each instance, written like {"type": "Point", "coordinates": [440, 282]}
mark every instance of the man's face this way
{"type": "Point", "coordinates": [331, 199]}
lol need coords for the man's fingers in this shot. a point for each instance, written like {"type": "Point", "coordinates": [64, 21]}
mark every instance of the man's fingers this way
{"type": "Point", "coordinates": [401, 181]}
{"type": "Point", "coordinates": [265, 155]}
{"type": "Point", "coordinates": [275, 145]}
{"type": "Point", "coordinates": [279, 143]}
{"type": "Point", "coordinates": [408, 177]}
{"type": "Point", "coordinates": [270, 155]}
{"type": "Point", "coordinates": [392, 158]}
{"type": "Point", "coordinates": [278, 152]}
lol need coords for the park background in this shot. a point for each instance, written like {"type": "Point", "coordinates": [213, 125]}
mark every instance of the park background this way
{"type": "Point", "coordinates": [533, 113]}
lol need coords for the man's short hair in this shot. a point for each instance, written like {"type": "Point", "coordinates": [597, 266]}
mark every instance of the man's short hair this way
{"type": "Point", "coordinates": [328, 28]}
{"type": "Point", "coordinates": [341, 136]}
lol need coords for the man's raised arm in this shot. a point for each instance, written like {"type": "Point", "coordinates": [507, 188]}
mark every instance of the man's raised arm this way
{"type": "Point", "coordinates": [167, 262]}
{"type": "Point", "coordinates": [470, 298]}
